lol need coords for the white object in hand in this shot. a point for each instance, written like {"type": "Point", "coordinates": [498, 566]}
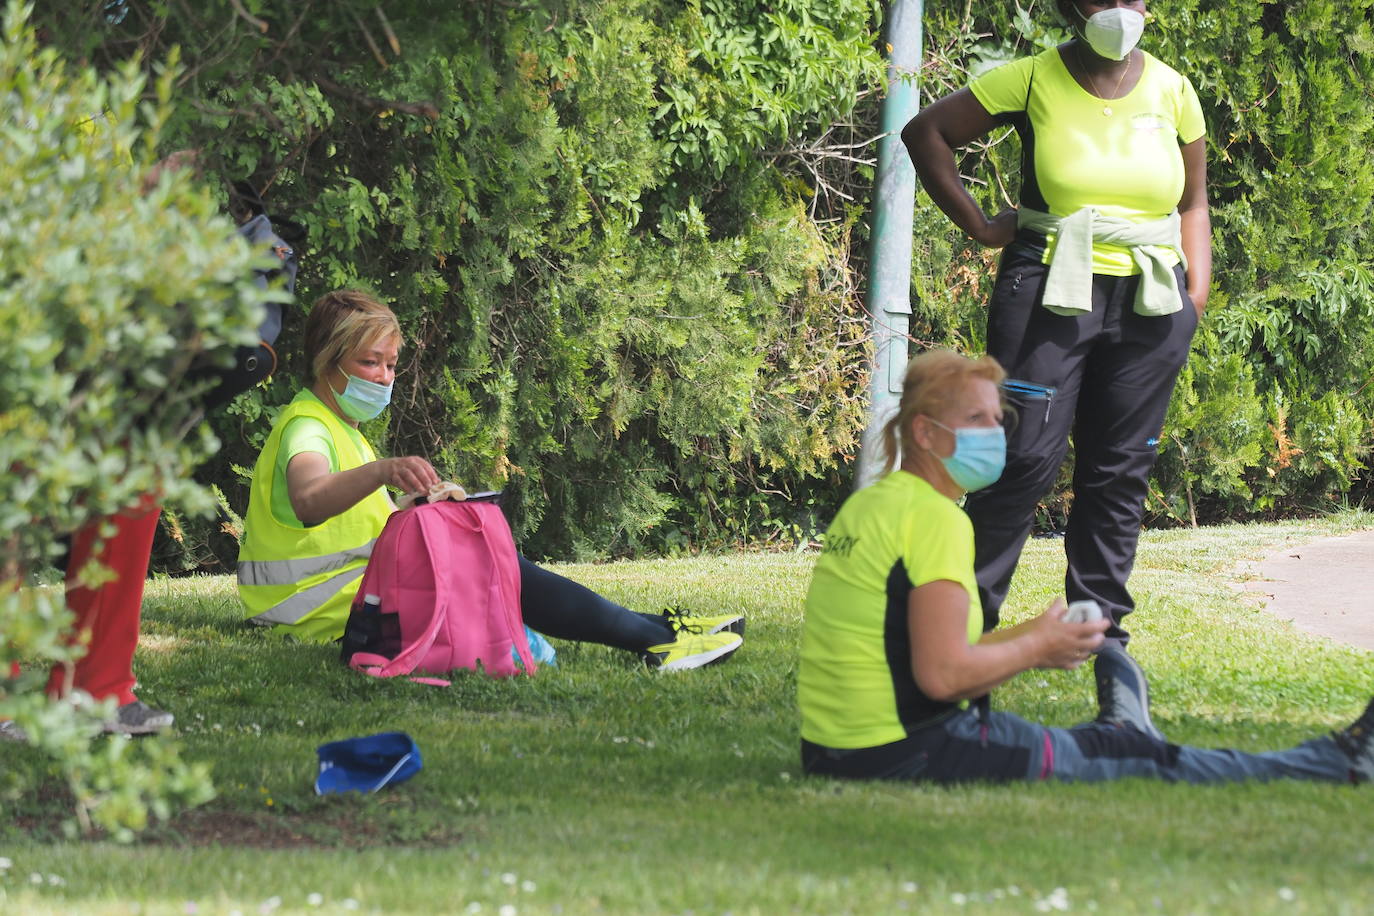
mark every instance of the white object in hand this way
{"type": "Point", "coordinates": [444, 489]}
{"type": "Point", "coordinates": [1083, 612]}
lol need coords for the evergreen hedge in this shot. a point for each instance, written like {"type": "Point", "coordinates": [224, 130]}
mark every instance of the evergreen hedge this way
{"type": "Point", "coordinates": [626, 239]}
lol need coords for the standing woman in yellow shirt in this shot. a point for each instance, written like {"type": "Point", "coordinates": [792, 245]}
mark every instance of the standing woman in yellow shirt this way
{"type": "Point", "coordinates": [1104, 276]}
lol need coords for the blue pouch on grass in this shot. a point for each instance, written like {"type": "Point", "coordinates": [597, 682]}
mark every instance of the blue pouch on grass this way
{"type": "Point", "coordinates": [366, 764]}
{"type": "Point", "coordinates": [540, 650]}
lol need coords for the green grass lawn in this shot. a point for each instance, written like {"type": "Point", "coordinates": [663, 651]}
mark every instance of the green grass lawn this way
{"type": "Point", "coordinates": [599, 786]}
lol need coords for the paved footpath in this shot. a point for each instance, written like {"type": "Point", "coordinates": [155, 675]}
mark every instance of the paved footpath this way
{"type": "Point", "coordinates": [1325, 587]}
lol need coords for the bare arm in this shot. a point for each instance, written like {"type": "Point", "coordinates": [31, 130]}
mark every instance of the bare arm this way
{"type": "Point", "coordinates": [1197, 222]}
{"type": "Point", "coordinates": [947, 668]}
{"type": "Point", "coordinates": [931, 139]}
{"type": "Point", "coordinates": [317, 494]}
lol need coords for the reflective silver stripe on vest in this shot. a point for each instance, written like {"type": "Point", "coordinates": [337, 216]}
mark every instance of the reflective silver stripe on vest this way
{"type": "Point", "coordinates": [289, 572]}
{"type": "Point", "coordinates": [302, 603]}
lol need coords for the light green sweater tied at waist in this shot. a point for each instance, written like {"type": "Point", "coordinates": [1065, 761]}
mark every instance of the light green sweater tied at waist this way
{"type": "Point", "coordinates": [1069, 284]}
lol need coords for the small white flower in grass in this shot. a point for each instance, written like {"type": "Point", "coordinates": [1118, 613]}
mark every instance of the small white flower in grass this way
{"type": "Point", "coordinates": [1057, 900]}
{"type": "Point", "coordinates": [314, 899]}
{"type": "Point", "coordinates": [300, 721]}
{"type": "Point", "coordinates": [474, 907]}
{"type": "Point", "coordinates": [785, 777]}
{"type": "Point", "coordinates": [35, 878]}
{"type": "Point", "coordinates": [236, 913]}
{"type": "Point", "coordinates": [1287, 894]}
{"type": "Point", "coordinates": [1014, 891]}
{"type": "Point", "coordinates": [910, 887]}
{"type": "Point", "coordinates": [507, 910]}
{"type": "Point", "coordinates": [620, 739]}
{"type": "Point", "coordinates": [527, 886]}
{"type": "Point", "coordinates": [270, 904]}
{"type": "Point", "coordinates": [509, 878]}
{"type": "Point", "coordinates": [958, 899]}
{"type": "Point", "coordinates": [191, 908]}
{"type": "Point", "coordinates": [350, 904]}
{"type": "Point", "coordinates": [5, 863]}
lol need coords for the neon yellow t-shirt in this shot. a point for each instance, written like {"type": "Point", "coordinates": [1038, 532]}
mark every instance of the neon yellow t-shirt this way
{"type": "Point", "coordinates": [1124, 164]}
{"type": "Point", "coordinates": [855, 685]}
{"type": "Point", "coordinates": [305, 434]}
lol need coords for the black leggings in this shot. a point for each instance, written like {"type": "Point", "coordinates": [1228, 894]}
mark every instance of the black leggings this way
{"type": "Point", "coordinates": [561, 608]}
{"type": "Point", "coordinates": [1105, 377]}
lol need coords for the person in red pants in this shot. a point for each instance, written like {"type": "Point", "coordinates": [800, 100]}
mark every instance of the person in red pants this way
{"type": "Point", "coordinates": [107, 617]}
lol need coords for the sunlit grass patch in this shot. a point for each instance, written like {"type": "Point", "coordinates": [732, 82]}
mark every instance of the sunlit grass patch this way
{"type": "Point", "coordinates": [603, 787]}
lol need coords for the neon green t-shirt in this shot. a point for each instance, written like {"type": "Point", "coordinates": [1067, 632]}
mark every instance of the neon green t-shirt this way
{"type": "Point", "coordinates": [856, 687]}
{"type": "Point", "coordinates": [306, 434]}
{"type": "Point", "coordinates": [1074, 154]}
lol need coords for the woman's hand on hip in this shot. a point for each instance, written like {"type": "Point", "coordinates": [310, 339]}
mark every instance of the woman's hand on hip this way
{"type": "Point", "coordinates": [1063, 644]}
{"type": "Point", "coordinates": [411, 474]}
{"type": "Point", "coordinates": [998, 231]}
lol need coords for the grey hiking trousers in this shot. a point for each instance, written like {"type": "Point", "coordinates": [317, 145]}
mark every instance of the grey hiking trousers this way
{"type": "Point", "coordinates": [1002, 747]}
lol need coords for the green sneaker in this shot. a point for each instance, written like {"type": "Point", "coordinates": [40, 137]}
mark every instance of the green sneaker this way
{"type": "Point", "coordinates": [692, 650]}
{"type": "Point", "coordinates": [685, 622]}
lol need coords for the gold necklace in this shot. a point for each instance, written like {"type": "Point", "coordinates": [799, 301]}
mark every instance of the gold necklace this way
{"type": "Point", "coordinates": [1106, 109]}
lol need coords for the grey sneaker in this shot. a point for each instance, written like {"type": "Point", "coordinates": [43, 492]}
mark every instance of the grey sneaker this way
{"type": "Point", "coordinates": [11, 732]}
{"type": "Point", "coordinates": [1123, 694]}
{"type": "Point", "coordinates": [1357, 741]}
{"type": "Point", "coordinates": [138, 718]}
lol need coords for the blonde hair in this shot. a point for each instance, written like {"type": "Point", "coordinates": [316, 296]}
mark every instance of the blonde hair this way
{"type": "Point", "coordinates": [933, 380]}
{"type": "Point", "coordinates": [340, 323]}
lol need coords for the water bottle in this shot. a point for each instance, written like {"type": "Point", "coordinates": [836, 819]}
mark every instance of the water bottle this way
{"type": "Point", "coordinates": [363, 632]}
{"type": "Point", "coordinates": [1083, 611]}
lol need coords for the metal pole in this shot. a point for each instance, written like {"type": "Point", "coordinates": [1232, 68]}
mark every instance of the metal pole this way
{"type": "Point", "coordinates": [889, 269]}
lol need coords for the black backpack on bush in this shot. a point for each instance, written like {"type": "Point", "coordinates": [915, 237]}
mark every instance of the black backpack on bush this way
{"type": "Point", "coordinates": [253, 364]}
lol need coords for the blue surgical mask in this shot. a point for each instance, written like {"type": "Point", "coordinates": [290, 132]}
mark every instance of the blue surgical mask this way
{"type": "Point", "coordinates": [1112, 33]}
{"type": "Point", "coordinates": [980, 454]}
{"type": "Point", "coordinates": [362, 400]}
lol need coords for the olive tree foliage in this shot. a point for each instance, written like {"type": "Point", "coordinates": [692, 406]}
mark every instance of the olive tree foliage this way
{"type": "Point", "coordinates": [616, 233]}
{"type": "Point", "coordinates": [1272, 413]}
{"type": "Point", "coordinates": [115, 281]}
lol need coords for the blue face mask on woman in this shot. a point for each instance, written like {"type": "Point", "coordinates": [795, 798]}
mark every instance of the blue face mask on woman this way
{"type": "Point", "coordinates": [362, 400]}
{"type": "Point", "coordinates": [980, 454]}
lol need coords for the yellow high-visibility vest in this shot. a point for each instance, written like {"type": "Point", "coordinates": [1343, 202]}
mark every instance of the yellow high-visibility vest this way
{"type": "Point", "coordinates": [304, 579]}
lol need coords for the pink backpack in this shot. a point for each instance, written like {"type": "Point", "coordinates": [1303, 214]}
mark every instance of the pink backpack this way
{"type": "Point", "coordinates": [448, 580]}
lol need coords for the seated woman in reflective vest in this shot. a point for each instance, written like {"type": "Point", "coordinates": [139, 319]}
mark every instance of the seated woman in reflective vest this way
{"type": "Point", "coordinates": [893, 648]}
{"type": "Point", "coordinates": [319, 500]}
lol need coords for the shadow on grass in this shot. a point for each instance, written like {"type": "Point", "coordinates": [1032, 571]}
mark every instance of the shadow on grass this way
{"type": "Point", "coordinates": [336, 822]}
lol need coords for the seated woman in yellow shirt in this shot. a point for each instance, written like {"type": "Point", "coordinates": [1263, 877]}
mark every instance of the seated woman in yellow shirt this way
{"type": "Point", "coordinates": [893, 648]}
{"type": "Point", "coordinates": [318, 502]}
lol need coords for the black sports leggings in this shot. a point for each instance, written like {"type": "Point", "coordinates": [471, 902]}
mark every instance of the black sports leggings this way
{"type": "Point", "coordinates": [561, 608]}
